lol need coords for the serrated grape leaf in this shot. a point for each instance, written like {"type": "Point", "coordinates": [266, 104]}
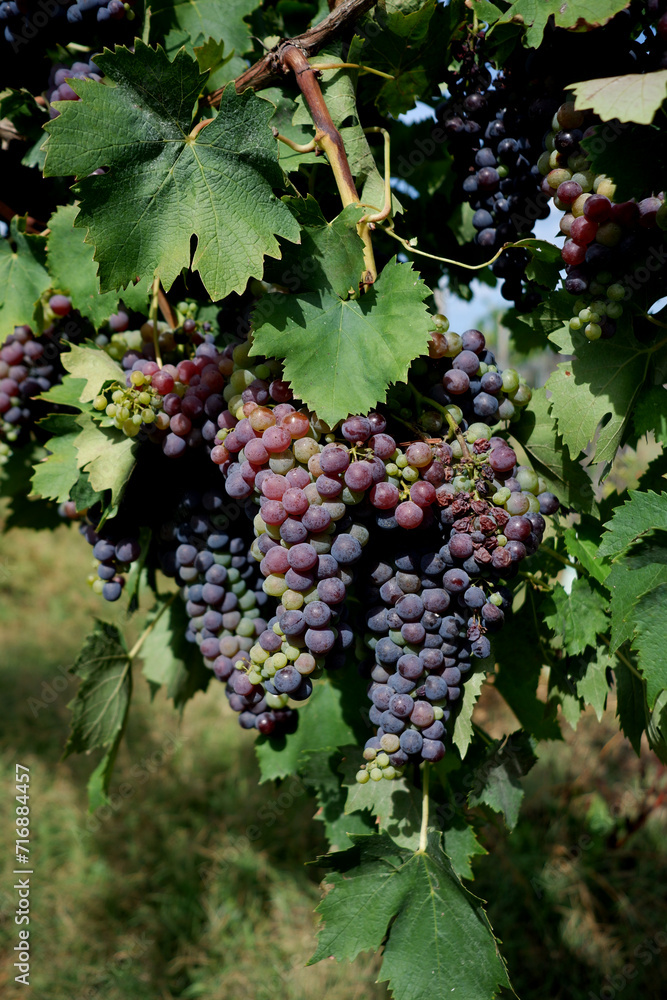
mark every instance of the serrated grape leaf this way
{"type": "Point", "coordinates": [650, 641]}
{"type": "Point", "coordinates": [498, 782]}
{"type": "Point", "coordinates": [402, 43]}
{"type": "Point", "coordinates": [463, 730]}
{"type": "Point", "coordinates": [396, 805]}
{"type": "Point", "coordinates": [577, 616]}
{"type": "Point", "coordinates": [74, 272]}
{"type": "Point", "coordinates": [340, 356]}
{"type": "Point", "coordinates": [634, 155]}
{"type": "Point", "coordinates": [169, 660]}
{"type": "Point", "coordinates": [437, 938]}
{"type": "Point", "coordinates": [23, 277]}
{"type": "Point", "coordinates": [20, 510]}
{"type": "Point", "coordinates": [657, 728]}
{"type": "Point", "coordinates": [631, 707]}
{"type": "Point", "coordinates": [651, 413]}
{"type": "Point", "coordinates": [285, 107]}
{"type": "Point", "coordinates": [599, 384]}
{"type": "Point", "coordinates": [536, 431]}
{"type": "Point", "coordinates": [634, 97]}
{"type": "Point", "coordinates": [642, 513]}
{"type": "Point", "coordinates": [460, 223]}
{"type": "Point", "coordinates": [583, 543]}
{"type": "Point", "coordinates": [202, 20]}
{"type": "Point", "coordinates": [330, 253]}
{"type": "Point", "coordinates": [106, 455]}
{"type": "Point", "coordinates": [66, 393]}
{"type": "Point", "coordinates": [545, 263]}
{"type": "Point", "coordinates": [55, 476]}
{"type": "Point", "coordinates": [319, 773]}
{"type": "Point", "coordinates": [460, 844]}
{"type": "Point", "coordinates": [163, 185]}
{"type": "Point", "coordinates": [578, 14]}
{"type": "Point", "coordinates": [322, 726]}
{"type": "Point", "coordinates": [593, 687]}
{"type": "Point", "coordinates": [632, 576]}
{"type": "Point", "coordinates": [92, 366]}
{"type": "Point", "coordinates": [99, 710]}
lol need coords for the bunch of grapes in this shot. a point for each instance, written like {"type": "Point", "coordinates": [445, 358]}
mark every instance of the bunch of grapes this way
{"type": "Point", "coordinates": [113, 550]}
{"type": "Point", "coordinates": [491, 128]}
{"type": "Point", "coordinates": [603, 238]}
{"type": "Point", "coordinates": [101, 10]}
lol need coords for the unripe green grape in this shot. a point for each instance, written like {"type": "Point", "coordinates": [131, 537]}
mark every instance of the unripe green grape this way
{"type": "Point", "coordinates": [554, 159]}
{"type": "Point", "coordinates": [455, 412]}
{"type": "Point", "coordinates": [402, 462]}
{"type": "Point", "coordinates": [274, 585]}
{"type": "Point", "coordinates": [369, 753]}
{"type": "Point", "coordinates": [478, 432]}
{"type": "Point", "coordinates": [616, 292]}
{"type": "Point", "coordinates": [506, 410]}
{"type": "Point", "coordinates": [376, 774]}
{"type": "Point", "coordinates": [410, 474]}
{"type": "Point", "coordinates": [575, 323]}
{"type": "Point", "coordinates": [278, 701]}
{"type": "Point", "coordinates": [438, 712]}
{"type": "Point", "coordinates": [100, 403]}
{"type": "Point", "coordinates": [144, 398]}
{"type": "Point", "coordinates": [382, 760]}
{"type": "Point", "coordinates": [510, 380]}
{"type": "Point", "coordinates": [522, 396]}
{"type": "Point", "coordinates": [137, 378]}
{"type": "Point", "coordinates": [526, 478]}
{"type": "Point", "coordinates": [130, 428]}
{"type": "Point", "coordinates": [362, 777]}
{"type": "Point", "coordinates": [98, 586]}
{"type": "Point", "coordinates": [240, 354]}
{"type": "Point", "coordinates": [599, 307]}
{"type": "Point", "coordinates": [549, 141]}
{"type": "Point", "coordinates": [282, 462]}
{"type": "Point", "coordinates": [541, 485]}
{"type": "Point", "coordinates": [390, 742]}
{"type": "Point", "coordinates": [454, 345]}
{"type": "Point", "coordinates": [533, 504]}
{"type": "Point", "coordinates": [352, 497]}
{"type": "Point", "coordinates": [584, 178]}
{"type": "Point", "coordinates": [501, 497]}
{"type": "Point", "coordinates": [392, 469]}
{"type": "Point", "coordinates": [431, 422]}
{"type": "Point", "coordinates": [496, 599]}
{"type": "Point", "coordinates": [595, 317]}
{"type": "Point", "coordinates": [614, 310]}
{"type": "Point", "coordinates": [262, 371]}
{"type": "Point", "coordinates": [397, 638]}
{"type": "Point", "coordinates": [361, 533]}
{"type": "Point", "coordinates": [389, 772]}
{"type": "Point", "coordinates": [456, 449]}
{"type": "Point", "coordinates": [441, 323]}
{"type": "Point", "coordinates": [585, 315]}
{"type": "Point", "coordinates": [593, 331]}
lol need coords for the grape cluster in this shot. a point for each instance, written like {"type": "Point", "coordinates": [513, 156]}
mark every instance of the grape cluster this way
{"type": "Point", "coordinates": [491, 133]}
{"type": "Point", "coordinates": [101, 10]}
{"type": "Point", "coordinates": [221, 585]}
{"type": "Point", "coordinates": [21, 19]}
{"type": "Point", "coordinates": [24, 374]}
{"type": "Point", "coordinates": [602, 237]}
{"type": "Point", "coordinates": [114, 552]}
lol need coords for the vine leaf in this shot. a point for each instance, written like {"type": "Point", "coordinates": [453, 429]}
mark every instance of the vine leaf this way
{"type": "Point", "coordinates": [66, 393]}
{"type": "Point", "coordinates": [583, 544]}
{"type": "Point", "coordinates": [101, 704]}
{"type": "Point", "coordinates": [537, 432]}
{"type": "Point", "coordinates": [568, 14]}
{"type": "Point", "coordinates": [106, 455]}
{"type": "Point", "coordinates": [55, 476]}
{"type": "Point", "coordinates": [642, 513]}
{"type": "Point", "coordinates": [631, 704]}
{"type": "Point", "coordinates": [395, 804]}
{"type": "Point", "coordinates": [593, 686]}
{"type": "Point", "coordinates": [635, 574]}
{"type": "Point", "coordinates": [168, 658]}
{"type": "Point", "coordinates": [322, 726]}
{"type": "Point", "coordinates": [95, 367]}
{"type": "Point", "coordinates": [651, 413]}
{"type": "Point", "coordinates": [23, 277]}
{"type": "Point", "coordinates": [460, 844]}
{"type": "Point", "coordinates": [576, 616]}
{"type": "Point", "coordinates": [498, 780]}
{"type": "Point", "coordinates": [74, 272]}
{"type": "Point", "coordinates": [330, 253]}
{"type": "Point", "coordinates": [341, 355]}
{"type": "Point", "coordinates": [463, 731]}
{"type": "Point", "coordinates": [164, 185]}
{"type": "Point", "coordinates": [650, 640]}
{"type": "Point", "coordinates": [634, 97]}
{"type": "Point", "coordinates": [599, 384]}
{"type": "Point", "coordinates": [204, 20]}
{"type": "Point", "coordinates": [319, 773]}
{"type": "Point", "coordinates": [437, 938]}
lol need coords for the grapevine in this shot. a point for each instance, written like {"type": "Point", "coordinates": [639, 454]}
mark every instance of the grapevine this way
{"type": "Point", "coordinates": [315, 493]}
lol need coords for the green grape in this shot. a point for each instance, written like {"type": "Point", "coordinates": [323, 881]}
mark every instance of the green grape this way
{"type": "Point", "coordinates": [510, 380]}
{"type": "Point", "coordinates": [362, 777]}
{"type": "Point", "coordinates": [100, 403]}
{"type": "Point", "coordinates": [593, 331]}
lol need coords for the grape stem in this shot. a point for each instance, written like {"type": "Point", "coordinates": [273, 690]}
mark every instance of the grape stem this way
{"type": "Point", "coordinates": [520, 244]}
{"type": "Point", "coordinates": [149, 628]}
{"type": "Point", "coordinates": [386, 208]}
{"type": "Point", "coordinates": [155, 301]}
{"type": "Point", "coordinates": [453, 426]}
{"type": "Point", "coordinates": [346, 65]}
{"type": "Point", "coordinates": [423, 833]}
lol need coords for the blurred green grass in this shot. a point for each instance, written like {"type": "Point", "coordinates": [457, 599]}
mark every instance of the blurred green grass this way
{"type": "Point", "coordinates": [194, 882]}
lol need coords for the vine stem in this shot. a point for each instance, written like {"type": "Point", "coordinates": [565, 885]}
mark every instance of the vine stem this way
{"type": "Point", "coordinates": [521, 244]}
{"type": "Point", "coordinates": [346, 65]}
{"type": "Point", "coordinates": [423, 833]}
{"type": "Point", "coordinates": [329, 140]}
{"type": "Point", "coordinates": [155, 303]}
{"type": "Point", "coordinates": [453, 426]}
{"type": "Point", "coordinates": [149, 628]}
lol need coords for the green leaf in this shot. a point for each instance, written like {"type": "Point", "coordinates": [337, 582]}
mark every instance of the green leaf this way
{"type": "Point", "coordinates": [23, 277]}
{"type": "Point", "coordinates": [651, 413]}
{"type": "Point", "coordinates": [534, 14]}
{"type": "Point", "coordinates": [169, 660]}
{"type": "Point", "coordinates": [340, 356]}
{"type": "Point", "coordinates": [66, 393]}
{"type": "Point", "coordinates": [106, 454]}
{"type": "Point", "coordinates": [460, 223]}
{"type": "Point", "coordinates": [650, 640]}
{"type": "Point", "coordinates": [95, 367]}
{"type": "Point", "coordinates": [642, 513]}
{"type": "Point", "coordinates": [164, 186]}
{"type": "Point", "coordinates": [545, 263]}
{"type": "Point", "coordinates": [637, 573]}
{"type": "Point", "coordinates": [202, 20]}
{"type": "Point", "coordinates": [460, 844]}
{"type": "Point", "coordinates": [599, 384]}
{"type": "Point", "coordinates": [593, 687]}
{"type": "Point", "coordinates": [537, 432]}
{"type": "Point", "coordinates": [319, 772]}
{"type": "Point", "coordinates": [396, 804]}
{"type": "Point", "coordinates": [463, 730]}
{"type": "Point", "coordinates": [322, 726]}
{"type": "Point", "coordinates": [630, 704]}
{"type": "Point", "coordinates": [634, 97]}
{"type": "Point", "coordinates": [583, 543]}
{"type": "Point", "coordinates": [285, 108]}
{"type": "Point", "coordinates": [636, 162]}
{"type": "Point", "coordinates": [101, 705]}
{"type": "Point", "coordinates": [55, 476]}
{"type": "Point", "coordinates": [657, 728]}
{"type": "Point", "coordinates": [498, 782]}
{"type": "Point", "coordinates": [74, 272]}
{"type": "Point", "coordinates": [21, 511]}
{"type": "Point", "coordinates": [330, 253]}
{"type": "Point", "coordinates": [437, 939]}
{"type": "Point", "coordinates": [577, 616]}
